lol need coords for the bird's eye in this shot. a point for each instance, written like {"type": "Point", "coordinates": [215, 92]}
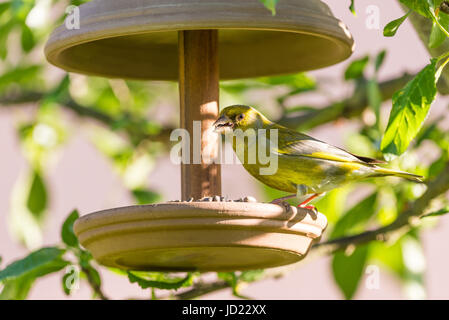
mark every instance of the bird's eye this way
{"type": "Point", "coordinates": [240, 116]}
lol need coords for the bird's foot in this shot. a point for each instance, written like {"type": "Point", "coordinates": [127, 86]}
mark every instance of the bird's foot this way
{"type": "Point", "coordinates": [308, 207]}
{"type": "Point", "coordinates": [305, 204]}
{"type": "Point", "coordinates": [282, 203]}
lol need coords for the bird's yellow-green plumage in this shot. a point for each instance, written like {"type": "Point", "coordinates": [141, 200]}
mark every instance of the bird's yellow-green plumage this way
{"type": "Point", "coordinates": [305, 165]}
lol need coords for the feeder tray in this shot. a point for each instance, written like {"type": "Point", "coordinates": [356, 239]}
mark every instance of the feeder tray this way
{"type": "Point", "coordinates": [198, 43]}
{"type": "Point", "coordinates": [202, 236]}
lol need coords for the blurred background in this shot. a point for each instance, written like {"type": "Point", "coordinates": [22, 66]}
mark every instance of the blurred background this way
{"type": "Point", "coordinates": [90, 143]}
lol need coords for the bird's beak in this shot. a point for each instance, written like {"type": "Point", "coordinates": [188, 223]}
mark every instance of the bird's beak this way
{"type": "Point", "coordinates": [223, 125]}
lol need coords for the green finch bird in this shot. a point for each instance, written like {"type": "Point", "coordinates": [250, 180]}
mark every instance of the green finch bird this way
{"type": "Point", "coordinates": [305, 166]}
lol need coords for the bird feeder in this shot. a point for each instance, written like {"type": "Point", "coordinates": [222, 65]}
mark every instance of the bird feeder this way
{"type": "Point", "coordinates": [197, 43]}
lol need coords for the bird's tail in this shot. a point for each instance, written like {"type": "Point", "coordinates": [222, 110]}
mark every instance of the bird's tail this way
{"type": "Point", "coordinates": [388, 172]}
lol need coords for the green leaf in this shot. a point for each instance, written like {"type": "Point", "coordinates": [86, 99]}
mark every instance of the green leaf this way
{"type": "Point", "coordinates": [233, 280]}
{"type": "Point", "coordinates": [4, 6]}
{"type": "Point", "coordinates": [392, 27]}
{"type": "Point", "coordinates": [420, 6]}
{"type": "Point", "coordinates": [27, 39]}
{"type": "Point", "coordinates": [437, 36]}
{"type": "Point", "coordinates": [437, 166]}
{"type": "Point", "coordinates": [67, 234]}
{"type": "Point", "coordinates": [64, 283]}
{"type": "Point", "coordinates": [19, 75]}
{"type": "Point", "coordinates": [333, 203]}
{"type": "Point", "coordinates": [117, 271]}
{"type": "Point", "coordinates": [352, 8]}
{"type": "Point", "coordinates": [251, 275]}
{"type": "Point", "coordinates": [356, 68]}
{"type": "Point", "coordinates": [92, 274]}
{"type": "Point", "coordinates": [37, 196]}
{"type": "Point", "coordinates": [299, 81]}
{"type": "Point", "coordinates": [390, 255]}
{"type": "Point", "coordinates": [17, 289]}
{"type": "Point", "coordinates": [434, 132]}
{"type": "Point", "coordinates": [348, 270]}
{"type": "Point", "coordinates": [356, 216]}
{"type": "Point", "coordinates": [36, 264]}
{"type": "Point", "coordinates": [144, 196]}
{"type": "Point", "coordinates": [410, 108]}
{"type": "Point", "coordinates": [270, 5]}
{"type": "Point", "coordinates": [84, 258]}
{"type": "Point", "coordinates": [95, 275]}
{"type": "Point", "coordinates": [229, 277]}
{"type": "Point", "coordinates": [176, 283]}
{"type": "Point", "coordinates": [440, 212]}
{"type": "Point", "coordinates": [69, 279]}
{"type": "Point", "coordinates": [5, 31]}
{"type": "Point", "coordinates": [300, 109]}
{"type": "Point", "coordinates": [61, 92]}
{"type": "Point", "coordinates": [374, 97]}
{"type": "Point", "coordinates": [106, 99]}
{"type": "Point", "coordinates": [430, 132]}
{"type": "Point", "coordinates": [380, 58]}
{"type": "Point", "coordinates": [21, 9]}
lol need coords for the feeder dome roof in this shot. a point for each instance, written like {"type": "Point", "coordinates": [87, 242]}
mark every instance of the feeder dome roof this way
{"type": "Point", "coordinates": [138, 39]}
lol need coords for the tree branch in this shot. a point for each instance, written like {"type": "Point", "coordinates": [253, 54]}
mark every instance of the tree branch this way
{"type": "Point", "coordinates": [348, 108]}
{"type": "Point", "coordinates": [20, 98]}
{"type": "Point", "coordinates": [403, 223]}
{"type": "Point", "coordinates": [93, 284]}
{"type": "Point", "coordinates": [201, 289]}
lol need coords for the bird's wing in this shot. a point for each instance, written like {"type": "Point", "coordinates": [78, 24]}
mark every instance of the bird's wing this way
{"type": "Point", "coordinates": [298, 144]}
